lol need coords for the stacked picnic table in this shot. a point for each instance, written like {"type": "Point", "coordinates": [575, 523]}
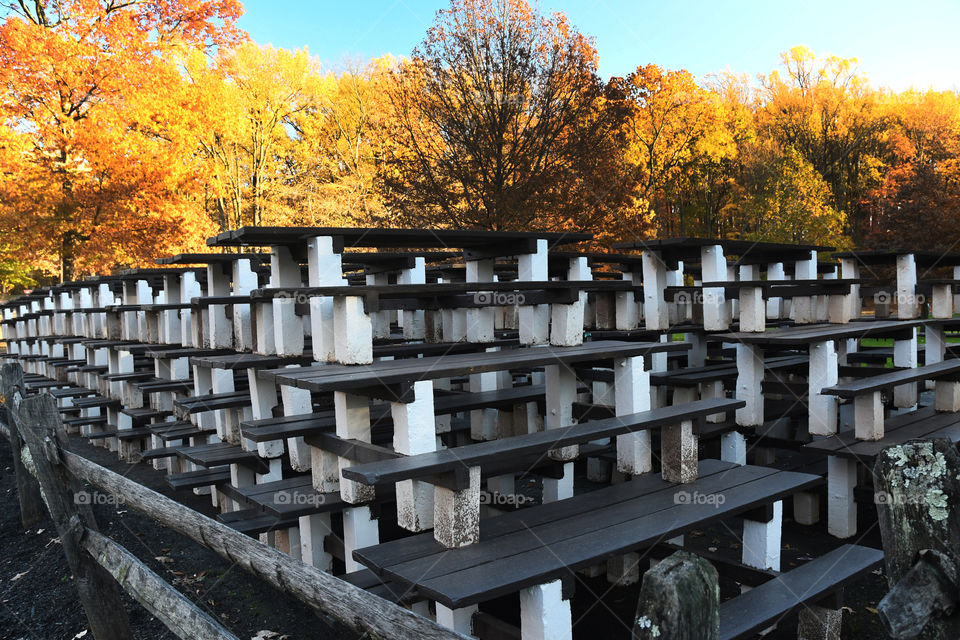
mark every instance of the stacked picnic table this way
{"type": "Point", "coordinates": [449, 418]}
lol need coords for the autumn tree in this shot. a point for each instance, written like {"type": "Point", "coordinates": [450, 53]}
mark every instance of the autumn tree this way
{"type": "Point", "coordinates": [340, 144]}
{"type": "Point", "coordinates": [499, 121]}
{"type": "Point", "coordinates": [253, 94]}
{"type": "Point", "coordinates": [918, 202]}
{"type": "Point", "coordinates": [789, 201]}
{"type": "Point", "coordinates": [93, 113]}
{"type": "Point", "coordinates": [825, 110]}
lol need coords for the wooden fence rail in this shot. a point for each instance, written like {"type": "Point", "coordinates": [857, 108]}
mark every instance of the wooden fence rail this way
{"type": "Point", "coordinates": [99, 563]}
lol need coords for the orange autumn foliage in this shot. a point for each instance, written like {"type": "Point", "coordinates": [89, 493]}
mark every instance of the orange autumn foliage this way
{"type": "Point", "coordinates": [93, 111]}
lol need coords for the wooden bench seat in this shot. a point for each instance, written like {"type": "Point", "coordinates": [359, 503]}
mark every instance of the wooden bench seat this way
{"type": "Point", "coordinates": [198, 479]}
{"type": "Point", "coordinates": [288, 498]}
{"type": "Point", "coordinates": [159, 453]}
{"type": "Point", "coordinates": [447, 461]}
{"type": "Point", "coordinates": [886, 381]}
{"type": "Point", "coordinates": [547, 542]}
{"type": "Point", "coordinates": [220, 453]}
{"type": "Point", "coordinates": [161, 386]}
{"type": "Point", "coordinates": [96, 401]}
{"type": "Point", "coordinates": [267, 429]}
{"type": "Point", "coordinates": [84, 421]}
{"type": "Point", "coordinates": [142, 415]}
{"type": "Point", "coordinates": [71, 392]}
{"type": "Point", "coordinates": [923, 423]}
{"type": "Point", "coordinates": [253, 521]}
{"type": "Point", "coordinates": [212, 402]}
{"type": "Point", "coordinates": [132, 434]}
{"type": "Point", "coordinates": [180, 430]}
{"type": "Point", "coordinates": [749, 613]}
{"type": "Point", "coordinates": [369, 581]}
{"type": "Point", "coordinates": [866, 393]}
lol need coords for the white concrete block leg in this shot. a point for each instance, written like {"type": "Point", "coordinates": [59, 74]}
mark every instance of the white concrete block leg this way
{"type": "Point", "coordinates": [287, 326]}
{"type": "Point", "coordinates": [566, 326]}
{"type": "Point", "coordinates": [534, 320]}
{"type": "Point", "coordinates": [678, 452]}
{"type": "Point", "coordinates": [761, 540]}
{"type": "Point", "coordinates": [414, 432]}
{"type": "Point", "coordinates": [905, 355]}
{"type": "Point", "coordinates": [841, 507]}
{"type": "Point", "coordinates": [353, 423]}
{"type": "Point", "coordinates": [623, 570]}
{"type": "Point", "coordinates": [359, 530]}
{"type": "Point", "coordinates": [908, 304]}
{"type": "Point", "coordinates": [480, 321]}
{"type": "Point", "coordinates": [823, 373]}
{"type": "Point", "coordinates": [313, 531]}
{"type": "Point", "coordinates": [296, 402]}
{"type": "Point", "coordinates": [353, 331]}
{"type": "Point", "coordinates": [456, 520]}
{"type": "Point", "coordinates": [555, 489]}
{"type": "Point", "coordinates": [775, 305]}
{"type": "Point", "coordinates": [946, 395]}
{"type": "Point", "coordinates": [806, 507]}
{"type": "Point", "coordinates": [561, 393]}
{"type": "Point", "coordinates": [655, 312]}
{"type": "Point", "coordinates": [749, 384]}
{"type": "Point", "coordinates": [483, 422]}
{"type": "Point", "coordinates": [414, 322]}
{"type": "Point", "coordinates": [868, 416]}
{"type": "Point", "coordinates": [632, 395]}
{"type": "Point", "coordinates": [544, 614]}
{"type": "Point", "coordinates": [716, 311]}
{"type": "Point", "coordinates": [460, 620]}
{"type": "Point", "coordinates": [733, 447]}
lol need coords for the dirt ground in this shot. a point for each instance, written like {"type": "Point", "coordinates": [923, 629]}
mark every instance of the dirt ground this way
{"type": "Point", "coordinates": [38, 599]}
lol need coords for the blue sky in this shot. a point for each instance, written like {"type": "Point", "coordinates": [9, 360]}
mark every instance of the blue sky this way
{"type": "Point", "coordinates": [899, 44]}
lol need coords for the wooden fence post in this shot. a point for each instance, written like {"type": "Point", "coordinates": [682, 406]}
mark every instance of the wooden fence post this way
{"type": "Point", "coordinates": [679, 600]}
{"type": "Point", "coordinates": [40, 426]}
{"type": "Point", "coordinates": [28, 491]}
{"type": "Point", "coordinates": [917, 485]}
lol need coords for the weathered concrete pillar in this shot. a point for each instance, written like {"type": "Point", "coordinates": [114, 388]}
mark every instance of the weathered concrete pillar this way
{"type": "Point", "coordinates": [905, 355]}
{"type": "Point", "coordinates": [325, 269]}
{"type": "Point", "coordinates": [841, 507]}
{"type": "Point", "coordinates": [761, 540]}
{"type": "Point", "coordinates": [632, 395]}
{"type": "Point", "coordinates": [823, 373]}
{"type": "Point", "coordinates": [716, 311]}
{"type": "Point", "coordinates": [456, 515]}
{"type": "Point", "coordinates": [414, 432]}
{"type": "Point", "coordinates": [544, 613]}
{"type": "Point", "coordinates": [287, 326]}
{"type": "Point", "coordinates": [655, 313]}
{"type": "Point", "coordinates": [908, 305]}
{"type": "Point", "coordinates": [534, 320]}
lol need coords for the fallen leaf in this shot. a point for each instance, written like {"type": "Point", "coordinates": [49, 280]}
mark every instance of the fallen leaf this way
{"type": "Point", "coordinates": [19, 575]}
{"type": "Point", "coordinates": [82, 634]}
{"type": "Point", "coordinates": [163, 559]}
{"type": "Point", "coordinates": [870, 609]}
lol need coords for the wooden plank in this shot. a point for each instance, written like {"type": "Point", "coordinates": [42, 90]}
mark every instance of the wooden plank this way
{"type": "Point", "coordinates": [751, 612]}
{"type": "Point", "coordinates": [343, 377]}
{"type": "Point", "coordinates": [420, 546]}
{"type": "Point", "coordinates": [543, 553]}
{"type": "Point", "coordinates": [884, 381]}
{"type": "Point", "coordinates": [446, 460]}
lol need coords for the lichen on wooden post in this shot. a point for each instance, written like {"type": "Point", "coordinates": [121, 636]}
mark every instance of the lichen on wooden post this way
{"type": "Point", "coordinates": [679, 600]}
{"type": "Point", "coordinates": [917, 485]}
